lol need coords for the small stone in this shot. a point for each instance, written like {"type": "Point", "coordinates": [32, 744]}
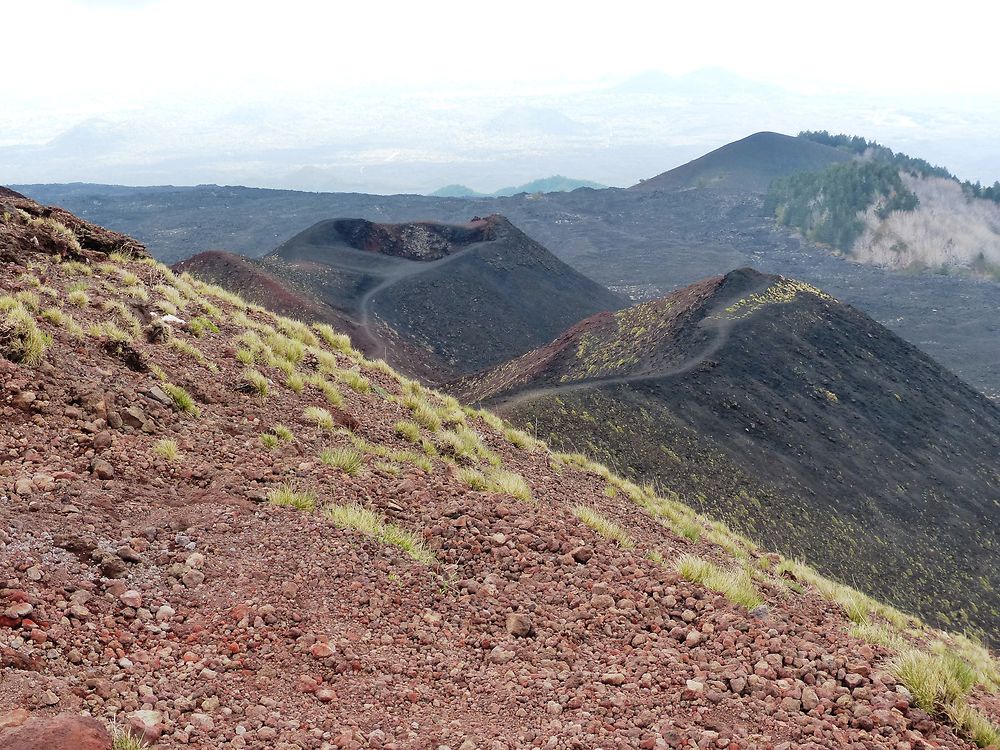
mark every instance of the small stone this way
{"type": "Point", "coordinates": [210, 704]}
{"type": "Point", "coordinates": [500, 655]}
{"type": "Point", "coordinates": [519, 625]}
{"type": "Point", "coordinates": [17, 610]}
{"type": "Point", "coordinates": [791, 705]}
{"type": "Point", "coordinates": [48, 698]}
{"type": "Point", "coordinates": [809, 698]}
{"type": "Point", "coordinates": [582, 554]}
{"type": "Point", "coordinates": [321, 650]}
{"type": "Point", "coordinates": [613, 678]}
{"type": "Point", "coordinates": [203, 722]}
{"type": "Point", "coordinates": [23, 487]}
{"type": "Point", "coordinates": [129, 555]}
{"type": "Point", "coordinates": [192, 578]}
{"type": "Point", "coordinates": [164, 613]}
{"type": "Point", "coordinates": [102, 469]}
{"type": "Point", "coordinates": [195, 560]}
{"type": "Point", "coordinates": [131, 598]}
{"type": "Point", "coordinates": [326, 695]}
{"type": "Point", "coordinates": [147, 725]}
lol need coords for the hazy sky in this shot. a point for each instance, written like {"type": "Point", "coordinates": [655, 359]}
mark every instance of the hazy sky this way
{"type": "Point", "coordinates": [139, 84]}
{"type": "Point", "coordinates": [117, 53]}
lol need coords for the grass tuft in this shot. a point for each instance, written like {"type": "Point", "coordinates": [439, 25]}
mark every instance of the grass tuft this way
{"type": "Point", "coordinates": [21, 340]}
{"type": "Point", "coordinates": [334, 340]}
{"type": "Point", "coordinates": [733, 583]}
{"type": "Point", "coordinates": [288, 497]}
{"type": "Point", "coordinates": [373, 525]}
{"type": "Point", "coordinates": [166, 449]}
{"type": "Point", "coordinates": [347, 460]}
{"type": "Point", "coordinates": [320, 417]}
{"type": "Point", "coordinates": [183, 400]}
{"type": "Point", "coordinates": [409, 431]}
{"type": "Point", "coordinates": [604, 526]}
{"type": "Point", "coordinates": [256, 382]}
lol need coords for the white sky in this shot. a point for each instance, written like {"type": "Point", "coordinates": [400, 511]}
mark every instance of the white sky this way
{"type": "Point", "coordinates": [96, 54]}
{"type": "Point", "coordinates": [181, 81]}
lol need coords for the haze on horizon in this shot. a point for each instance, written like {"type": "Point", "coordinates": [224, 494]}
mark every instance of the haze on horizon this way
{"type": "Point", "coordinates": [397, 97]}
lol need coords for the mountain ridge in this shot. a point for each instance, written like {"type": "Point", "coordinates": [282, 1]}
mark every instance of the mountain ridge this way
{"type": "Point", "coordinates": [799, 394]}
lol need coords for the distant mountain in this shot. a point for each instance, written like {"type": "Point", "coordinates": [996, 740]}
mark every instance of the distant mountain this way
{"type": "Point", "coordinates": [795, 418]}
{"type": "Point", "coordinates": [555, 184]}
{"type": "Point", "coordinates": [436, 299]}
{"type": "Point", "coordinates": [748, 165]}
{"type": "Point", "coordinates": [536, 121]}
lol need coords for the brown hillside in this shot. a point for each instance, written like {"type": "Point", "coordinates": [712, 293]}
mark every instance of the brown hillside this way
{"type": "Point", "coordinates": [437, 585]}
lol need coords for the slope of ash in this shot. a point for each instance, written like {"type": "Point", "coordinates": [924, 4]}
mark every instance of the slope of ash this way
{"type": "Point", "coordinates": [796, 419]}
{"type": "Point", "coordinates": [229, 530]}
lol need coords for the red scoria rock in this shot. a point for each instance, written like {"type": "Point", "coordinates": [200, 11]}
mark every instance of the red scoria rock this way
{"type": "Point", "coordinates": [63, 732]}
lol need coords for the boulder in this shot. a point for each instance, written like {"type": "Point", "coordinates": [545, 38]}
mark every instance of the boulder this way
{"type": "Point", "coordinates": [63, 732]}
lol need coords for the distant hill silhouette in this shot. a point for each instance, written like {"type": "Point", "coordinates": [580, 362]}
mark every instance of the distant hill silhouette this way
{"type": "Point", "coordinates": [555, 184]}
{"type": "Point", "coordinates": [748, 165]}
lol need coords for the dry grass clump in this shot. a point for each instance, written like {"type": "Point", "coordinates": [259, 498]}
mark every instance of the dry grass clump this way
{"type": "Point", "coordinates": [288, 497]}
{"type": "Point", "coordinates": [521, 439]}
{"type": "Point", "coordinates": [122, 317]}
{"type": "Point", "coordinates": [190, 350]}
{"type": "Point", "coordinates": [166, 449]}
{"type": "Point", "coordinates": [371, 524]}
{"type": "Point", "coordinates": [734, 583]}
{"type": "Point", "coordinates": [171, 294]}
{"type": "Point", "coordinates": [334, 340]}
{"type": "Point", "coordinates": [464, 444]}
{"type": "Point", "coordinates": [256, 382]}
{"type": "Point", "coordinates": [183, 400]}
{"type": "Point", "coordinates": [295, 382]}
{"type": "Point", "coordinates": [510, 483]}
{"type": "Point", "coordinates": [497, 480]}
{"type": "Point", "coordinates": [423, 413]}
{"type": "Point", "coordinates": [330, 391]}
{"type": "Point", "coordinates": [604, 526]}
{"type": "Point", "coordinates": [320, 417]}
{"type": "Point", "coordinates": [409, 431]}
{"type": "Point", "coordinates": [347, 460]}
{"type": "Point", "coordinates": [353, 380]}
{"type": "Point", "coordinates": [123, 739]}
{"type": "Point", "coordinates": [78, 298]}
{"type": "Point", "coordinates": [21, 340]}
{"type": "Point", "coordinates": [878, 634]}
{"type": "Point", "coordinates": [297, 330]}
{"type": "Point", "coordinates": [76, 268]}
{"type": "Point", "coordinates": [201, 326]}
